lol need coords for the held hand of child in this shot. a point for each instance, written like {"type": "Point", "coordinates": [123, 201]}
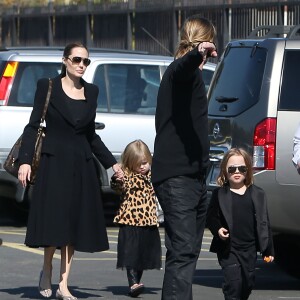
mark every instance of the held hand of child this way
{"type": "Point", "coordinates": [223, 234]}
{"type": "Point", "coordinates": [268, 259]}
{"type": "Point", "coordinates": [119, 174]}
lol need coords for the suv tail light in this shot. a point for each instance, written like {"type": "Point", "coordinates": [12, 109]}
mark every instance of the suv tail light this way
{"type": "Point", "coordinates": [7, 80]}
{"type": "Point", "coordinates": [264, 143]}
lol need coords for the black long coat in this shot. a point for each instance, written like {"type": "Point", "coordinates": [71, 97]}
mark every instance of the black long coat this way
{"type": "Point", "coordinates": [66, 207]}
{"type": "Point", "coordinates": [220, 215]}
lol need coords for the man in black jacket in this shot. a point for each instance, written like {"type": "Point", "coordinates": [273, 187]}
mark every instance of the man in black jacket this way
{"type": "Point", "coordinates": [181, 155]}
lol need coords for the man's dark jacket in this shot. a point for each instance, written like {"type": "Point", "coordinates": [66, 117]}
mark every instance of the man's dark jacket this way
{"type": "Point", "coordinates": [181, 144]}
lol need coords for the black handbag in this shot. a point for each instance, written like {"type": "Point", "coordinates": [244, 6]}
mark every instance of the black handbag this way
{"type": "Point", "coordinates": [12, 163]}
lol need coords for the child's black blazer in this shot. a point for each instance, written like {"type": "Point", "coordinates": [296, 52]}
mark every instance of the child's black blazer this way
{"type": "Point", "coordinates": [220, 215]}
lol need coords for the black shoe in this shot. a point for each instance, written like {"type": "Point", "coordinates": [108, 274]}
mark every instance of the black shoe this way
{"type": "Point", "coordinates": [134, 292]}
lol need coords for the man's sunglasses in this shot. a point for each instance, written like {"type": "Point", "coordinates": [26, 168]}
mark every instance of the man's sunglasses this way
{"type": "Point", "coordinates": [78, 60]}
{"type": "Point", "coordinates": [241, 169]}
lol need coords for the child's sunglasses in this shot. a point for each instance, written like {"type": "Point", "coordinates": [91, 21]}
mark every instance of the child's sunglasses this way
{"type": "Point", "coordinates": [241, 169]}
{"type": "Point", "coordinates": [78, 60]}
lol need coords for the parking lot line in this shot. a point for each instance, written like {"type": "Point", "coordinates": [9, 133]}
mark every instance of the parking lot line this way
{"type": "Point", "coordinates": [12, 232]}
{"type": "Point", "coordinates": [22, 247]}
{"type": "Point", "coordinates": [108, 255]}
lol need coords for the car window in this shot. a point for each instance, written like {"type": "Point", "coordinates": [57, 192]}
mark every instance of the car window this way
{"type": "Point", "coordinates": [125, 88]}
{"type": "Point", "coordinates": [207, 76]}
{"type": "Point", "coordinates": [2, 65]}
{"type": "Point", "coordinates": [290, 88]}
{"type": "Point", "coordinates": [24, 84]}
{"type": "Point", "coordinates": [237, 83]}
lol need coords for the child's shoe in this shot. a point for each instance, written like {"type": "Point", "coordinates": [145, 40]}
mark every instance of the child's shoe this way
{"type": "Point", "coordinates": [136, 290]}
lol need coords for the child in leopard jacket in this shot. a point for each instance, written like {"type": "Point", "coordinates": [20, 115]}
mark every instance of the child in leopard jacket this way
{"type": "Point", "coordinates": [139, 245]}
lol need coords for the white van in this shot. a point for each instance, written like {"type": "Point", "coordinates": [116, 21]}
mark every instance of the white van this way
{"type": "Point", "coordinates": [128, 83]}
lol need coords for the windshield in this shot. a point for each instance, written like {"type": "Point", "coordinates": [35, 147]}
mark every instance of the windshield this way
{"type": "Point", "coordinates": [237, 83]}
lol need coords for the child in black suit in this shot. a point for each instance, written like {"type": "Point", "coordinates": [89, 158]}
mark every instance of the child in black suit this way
{"type": "Point", "coordinates": [238, 219]}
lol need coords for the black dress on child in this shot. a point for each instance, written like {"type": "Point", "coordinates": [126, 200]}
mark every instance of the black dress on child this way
{"type": "Point", "coordinates": [139, 248]}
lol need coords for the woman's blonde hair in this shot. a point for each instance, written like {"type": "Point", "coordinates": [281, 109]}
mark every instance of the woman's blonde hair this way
{"type": "Point", "coordinates": [134, 153]}
{"type": "Point", "coordinates": [195, 30]}
{"type": "Point", "coordinates": [222, 178]}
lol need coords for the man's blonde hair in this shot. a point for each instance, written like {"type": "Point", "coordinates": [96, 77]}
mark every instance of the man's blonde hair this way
{"type": "Point", "coordinates": [195, 30]}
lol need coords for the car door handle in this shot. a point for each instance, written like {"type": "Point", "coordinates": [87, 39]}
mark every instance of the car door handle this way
{"type": "Point", "coordinates": [99, 125]}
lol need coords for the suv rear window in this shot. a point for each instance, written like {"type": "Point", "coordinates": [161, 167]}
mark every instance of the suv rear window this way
{"type": "Point", "coordinates": [237, 83]}
{"type": "Point", "coordinates": [24, 84]}
{"type": "Point", "coordinates": [127, 88]}
{"type": "Point", "coordinates": [290, 88]}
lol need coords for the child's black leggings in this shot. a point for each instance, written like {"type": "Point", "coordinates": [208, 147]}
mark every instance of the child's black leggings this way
{"type": "Point", "coordinates": [134, 276]}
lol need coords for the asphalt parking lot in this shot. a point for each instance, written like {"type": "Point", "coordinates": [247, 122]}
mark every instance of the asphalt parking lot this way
{"type": "Point", "coordinates": [94, 276]}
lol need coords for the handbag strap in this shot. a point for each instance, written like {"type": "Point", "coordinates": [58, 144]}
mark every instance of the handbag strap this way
{"type": "Point", "coordinates": [47, 101]}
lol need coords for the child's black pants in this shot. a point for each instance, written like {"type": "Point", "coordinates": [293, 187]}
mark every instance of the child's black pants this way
{"type": "Point", "coordinates": [239, 273]}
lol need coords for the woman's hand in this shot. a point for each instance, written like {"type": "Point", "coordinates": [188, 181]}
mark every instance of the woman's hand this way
{"type": "Point", "coordinates": [24, 174]}
{"type": "Point", "coordinates": [223, 234]}
{"type": "Point", "coordinates": [119, 174]}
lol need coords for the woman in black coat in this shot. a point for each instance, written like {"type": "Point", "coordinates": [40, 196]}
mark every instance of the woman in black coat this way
{"type": "Point", "coordinates": [66, 209]}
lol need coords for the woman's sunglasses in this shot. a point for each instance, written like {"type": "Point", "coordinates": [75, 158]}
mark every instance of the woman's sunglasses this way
{"type": "Point", "coordinates": [241, 169]}
{"type": "Point", "coordinates": [78, 60]}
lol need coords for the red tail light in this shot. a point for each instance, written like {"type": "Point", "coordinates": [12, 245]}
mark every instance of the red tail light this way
{"type": "Point", "coordinates": [7, 80]}
{"type": "Point", "coordinates": [264, 143]}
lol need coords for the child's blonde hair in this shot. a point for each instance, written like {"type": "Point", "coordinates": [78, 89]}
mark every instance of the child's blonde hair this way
{"type": "Point", "coordinates": [222, 178]}
{"type": "Point", "coordinates": [134, 153]}
{"type": "Point", "coordinates": [194, 31]}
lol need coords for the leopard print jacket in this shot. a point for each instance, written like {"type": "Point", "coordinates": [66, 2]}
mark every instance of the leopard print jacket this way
{"type": "Point", "coordinates": [138, 207]}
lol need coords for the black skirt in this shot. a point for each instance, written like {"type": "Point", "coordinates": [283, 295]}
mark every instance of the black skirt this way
{"type": "Point", "coordinates": [139, 247]}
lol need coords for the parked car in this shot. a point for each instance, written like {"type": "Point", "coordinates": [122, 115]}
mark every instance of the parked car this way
{"type": "Point", "coordinates": [254, 104]}
{"type": "Point", "coordinates": [128, 83]}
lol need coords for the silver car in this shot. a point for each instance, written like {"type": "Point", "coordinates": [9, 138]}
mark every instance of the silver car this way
{"type": "Point", "coordinates": [128, 83]}
{"type": "Point", "coordinates": [254, 103]}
